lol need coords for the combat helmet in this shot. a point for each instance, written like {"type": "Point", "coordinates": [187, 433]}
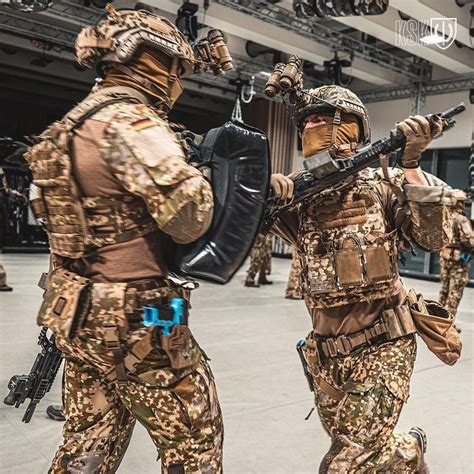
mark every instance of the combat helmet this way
{"type": "Point", "coordinates": [328, 98]}
{"type": "Point", "coordinates": [117, 37]}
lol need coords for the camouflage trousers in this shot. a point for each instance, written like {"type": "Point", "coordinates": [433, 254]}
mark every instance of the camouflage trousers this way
{"type": "Point", "coordinates": [375, 385]}
{"type": "Point", "coordinates": [260, 257]}
{"type": "Point", "coordinates": [179, 408]}
{"type": "Point", "coordinates": [293, 288]}
{"type": "Point", "coordinates": [454, 275]}
{"type": "Point", "coordinates": [3, 276]}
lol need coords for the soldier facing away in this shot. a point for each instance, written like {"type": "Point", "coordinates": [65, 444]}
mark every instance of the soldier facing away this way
{"type": "Point", "coordinates": [455, 259]}
{"type": "Point", "coordinates": [347, 244]}
{"type": "Point", "coordinates": [117, 195]}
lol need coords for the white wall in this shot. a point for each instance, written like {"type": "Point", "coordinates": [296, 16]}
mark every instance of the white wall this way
{"type": "Point", "coordinates": [383, 116]}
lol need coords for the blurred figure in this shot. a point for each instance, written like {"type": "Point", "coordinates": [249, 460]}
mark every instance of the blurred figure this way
{"type": "Point", "coordinates": [293, 288]}
{"type": "Point", "coordinates": [260, 262]}
{"type": "Point", "coordinates": [455, 259]}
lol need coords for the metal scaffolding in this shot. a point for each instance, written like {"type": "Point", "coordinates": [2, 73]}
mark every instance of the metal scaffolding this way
{"type": "Point", "coordinates": [444, 86]}
{"type": "Point", "coordinates": [283, 18]}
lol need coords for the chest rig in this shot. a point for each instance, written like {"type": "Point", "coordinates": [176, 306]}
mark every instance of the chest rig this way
{"type": "Point", "coordinates": [348, 253]}
{"type": "Point", "coordinates": [77, 224]}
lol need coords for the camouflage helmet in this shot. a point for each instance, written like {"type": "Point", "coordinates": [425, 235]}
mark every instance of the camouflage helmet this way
{"type": "Point", "coordinates": [328, 98]}
{"type": "Point", "coordinates": [117, 37]}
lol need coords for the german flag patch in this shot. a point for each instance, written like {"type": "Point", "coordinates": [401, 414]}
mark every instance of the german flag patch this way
{"type": "Point", "coordinates": [143, 124]}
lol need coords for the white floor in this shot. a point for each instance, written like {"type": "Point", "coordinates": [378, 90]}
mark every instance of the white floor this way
{"type": "Point", "coordinates": [250, 334]}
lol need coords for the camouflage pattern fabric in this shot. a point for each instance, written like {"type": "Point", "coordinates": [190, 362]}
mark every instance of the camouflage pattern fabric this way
{"type": "Point", "coordinates": [375, 381]}
{"type": "Point", "coordinates": [293, 288]}
{"type": "Point", "coordinates": [177, 197]}
{"type": "Point", "coordinates": [260, 257]}
{"type": "Point", "coordinates": [454, 272]}
{"type": "Point", "coordinates": [3, 276]}
{"type": "Point", "coordinates": [454, 275]}
{"type": "Point", "coordinates": [179, 408]}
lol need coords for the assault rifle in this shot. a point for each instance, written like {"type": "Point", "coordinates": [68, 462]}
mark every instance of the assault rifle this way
{"type": "Point", "coordinates": [39, 381]}
{"type": "Point", "coordinates": [323, 173]}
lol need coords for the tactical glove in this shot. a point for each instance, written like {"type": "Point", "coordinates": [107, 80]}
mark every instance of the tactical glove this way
{"type": "Point", "coordinates": [419, 134]}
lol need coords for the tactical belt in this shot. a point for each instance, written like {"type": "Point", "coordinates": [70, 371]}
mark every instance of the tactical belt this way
{"type": "Point", "coordinates": [394, 323]}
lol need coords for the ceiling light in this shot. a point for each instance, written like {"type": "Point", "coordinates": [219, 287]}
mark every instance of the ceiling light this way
{"type": "Point", "coordinates": [432, 39]}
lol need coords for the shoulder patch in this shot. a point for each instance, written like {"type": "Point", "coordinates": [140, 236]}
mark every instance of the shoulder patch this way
{"type": "Point", "coordinates": [143, 124]}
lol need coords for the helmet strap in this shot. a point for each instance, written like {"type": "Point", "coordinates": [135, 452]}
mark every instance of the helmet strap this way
{"type": "Point", "coordinates": [335, 126]}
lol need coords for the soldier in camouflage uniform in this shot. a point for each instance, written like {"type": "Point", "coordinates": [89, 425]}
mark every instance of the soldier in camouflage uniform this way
{"type": "Point", "coordinates": [4, 190]}
{"type": "Point", "coordinates": [293, 288]}
{"type": "Point", "coordinates": [117, 195]}
{"type": "Point", "coordinates": [362, 348]}
{"type": "Point", "coordinates": [455, 259]}
{"type": "Point", "coordinates": [260, 261]}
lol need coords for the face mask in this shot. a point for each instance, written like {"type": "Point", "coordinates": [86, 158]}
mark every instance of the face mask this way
{"type": "Point", "coordinates": [317, 139]}
{"type": "Point", "coordinates": [153, 67]}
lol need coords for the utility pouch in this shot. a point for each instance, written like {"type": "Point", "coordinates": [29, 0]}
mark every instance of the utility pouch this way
{"type": "Point", "coordinates": [398, 322]}
{"type": "Point", "coordinates": [435, 325]}
{"type": "Point", "coordinates": [378, 264]}
{"type": "Point", "coordinates": [65, 304]}
{"type": "Point", "coordinates": [349, 268]}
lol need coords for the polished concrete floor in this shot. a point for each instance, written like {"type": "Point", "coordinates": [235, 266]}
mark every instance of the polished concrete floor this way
{"type": "Point", "coordinates": [250, 335]}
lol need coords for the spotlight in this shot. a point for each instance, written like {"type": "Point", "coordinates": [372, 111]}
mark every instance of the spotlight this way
{"type": "Point", "coordinates": [338, 8]}
{"type": "Point", "coordinates": [186, 21]}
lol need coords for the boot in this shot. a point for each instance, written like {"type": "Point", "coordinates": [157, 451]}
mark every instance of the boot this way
{"type": "Point", "coordinates": [55, 412]}
{"type": "Point", "coordinates": [293, 296]}
{"type": "Point", "coordinates": [6, 288]}
{"type": "Point", "coordinates": [420, 435]}
{"type": "Point", "coordinates": [262, 280]}
{"type": "Point", "coordinates": [249, 281]}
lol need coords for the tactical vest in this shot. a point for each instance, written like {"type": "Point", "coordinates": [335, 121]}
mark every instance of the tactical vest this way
{"type": "Point", "coordinates": [77, 225]}
{"type": "Point", "coordinates": [346, 251]}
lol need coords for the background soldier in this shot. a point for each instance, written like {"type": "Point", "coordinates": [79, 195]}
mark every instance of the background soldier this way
{"type": "Point", "coordinates": [293, 288]}
{"type": "Point", "coordinates": [112, 222]}
{"type": "Point", "coordinates": [260, 261]}
{"type": "Point", "coordinates": [455, 259]}
{"type": "Point", "coordinates": [347, 246]}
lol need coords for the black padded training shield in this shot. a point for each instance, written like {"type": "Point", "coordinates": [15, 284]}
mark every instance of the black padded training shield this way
{"type": "Point", "coordinates": [239, 158]}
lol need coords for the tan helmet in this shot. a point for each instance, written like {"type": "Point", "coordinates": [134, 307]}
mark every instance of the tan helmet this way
{"type": "Point", "coordinates": [328, 98]}
{"type": "Point", "coordinates": [116, 38]}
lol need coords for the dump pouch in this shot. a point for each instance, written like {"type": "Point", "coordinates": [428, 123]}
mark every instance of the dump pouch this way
{"type": "Point", "coordinates": [435, 325]}
{"type": "Point", "coordinates": [65, 303]}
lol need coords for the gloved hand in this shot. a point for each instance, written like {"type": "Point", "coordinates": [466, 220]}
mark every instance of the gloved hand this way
{"type": "Point", "coordinates": [282, 186]}
{"type": "Point", "coordinates": [419, 135]}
